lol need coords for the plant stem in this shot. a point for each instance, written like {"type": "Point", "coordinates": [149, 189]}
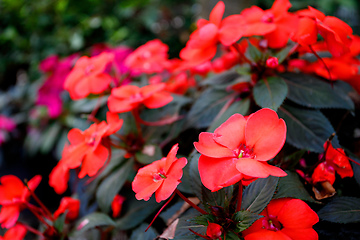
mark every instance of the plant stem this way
{"type": "Point", "coordinates": [190, 202]}
{"type": "Point", "coordinates": [157, 214]}
{"type": "Point", "coordinates": [238, 206]}
{"type": "Point", "coordinates": [33, 230]}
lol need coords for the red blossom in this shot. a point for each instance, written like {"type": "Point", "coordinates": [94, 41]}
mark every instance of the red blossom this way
{"type": "Point", "coordinates": [151, 57]}
{"type": "Point", "coordinates": [129, 97]}
{"type": "Point", "coordinates": [17, 232]}
{"type": "Point", "coordinates": [116, 205]}
{"type": "Point", "coordinates": [202, 44]}
{"type": "Point", "coordinates": [338, 160]}
{"type": "Point", "coordinates": [160, 177]}
{"type": "Point", "coordinates": [284, 219]}
{"type": "Point", "coordinates": [276, 24]}
{"type": "Point", "coordinates": [272, 62]}
{"type": "Point", "coordinates": [69, 205]}
{"type": "Point", "coordinates": [239, 149]}
{"type": "Point", "coordinates": [13, 195]}
{"type": "Point", "coordinates": [88, 76]}
{"type": "Point", "coordinates": [87, 149]}
{"type": "Point", "coordinates": [323, 173]}
{"type": "Point", "coordinates": [336, 33]}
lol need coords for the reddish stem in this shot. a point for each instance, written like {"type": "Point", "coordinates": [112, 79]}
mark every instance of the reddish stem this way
{"type": "Point", "coordinates": [240, 193]}
{"type": "Point", "coordinates": [42, 206]}
{"type": "Point", "coordinates": [34, 210]}
{"type": "Point", "coordinates": [200, 235]}
{"type": "Point", "coordinates": [33, 230]}
{"type": "Point", "coordinates": [190, 202]}
{"type": "Point", "coordinates": [135, 113]}
{"type": "Point", "coordinates": [322, 60]}
{"type": "Point", "coordinates": [157, 214]}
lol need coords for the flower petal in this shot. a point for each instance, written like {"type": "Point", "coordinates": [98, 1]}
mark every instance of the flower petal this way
{"type": "Point", "coordinates": [254, 168]}
{"type": "Point", "coordinates": [216, 173]}
{"type": "Point", "coordinates": [265, 133]}
{"type": "Point", "coordinates": [300, 234]}
{"type": "Point", "coordinates": [207, 146]}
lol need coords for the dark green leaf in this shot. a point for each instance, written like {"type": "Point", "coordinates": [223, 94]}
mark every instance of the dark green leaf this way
{"type": "Point", "coordinates": [140, 234]}
{"type": "Point", "coordinates": [245, 219]}
{"type": "Point", "coordinates": [220, 79]}
{"type": "Point", "coordinates": [149, 154]}
{"type": "Point", "coordinates": [241, 107]}
{"type": "Point", "coordinates": [196, 183]}
{"type": "Point", "coordinates": [270, 92]}
{"type": "Point", "coordinates": [87, 105]}
{"type": "Point", "coordinates": [111, 186]}
{"type": "Point", "coordinates": [283, 53]}
{"type": "Point", "coordinates": [291, 186]}
{"type": "Point", "coordinates": [356, 169]}
{"type": "Point", "coordinates": [60, 222]}
{"type": "Point", "coordinates": [92, 220]}
{"type": "Point", "coordinates": [207, 107]}
{"type": "Point", "coordinates": [136, 212]}
{"type": "Point", "coordinates": [341, 210]}
{"type": "Point", "coordinates": [185, 222]}
{"type": "Point", "coordinates": [253, 53]}
{"type": "Point", "coordinates": [49, 137]}
{"type": "Point", "coordinates": [203, 219]}
{"type": "Point", "coordinates": [306, 129]}
{"type": "Point", "coordinates": [259, 193]}
{"type": "Point", "coordinates": [186, 183]}
{"type": "Point", "coordinates": [309, 91]}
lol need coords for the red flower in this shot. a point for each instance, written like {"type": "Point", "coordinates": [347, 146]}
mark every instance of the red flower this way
{"type": "Point", "coordinates": [70, 206]}
{"type": "Point", "coordinates": [129, 97]}
{"type": "Point", "coordinates": [338, 160]}
{"type": "Point", "coordinates": [239, 149]}
{"type": "Point", "coordinates": [202, 44]}
{"type": "Point", "coordinates": [275, 24]}
{"type": "Point", "coordinates": [88, 76]}
{"type": "Point", "coordinates": [13, 195]}
{"type": "Point", "coordinates": [17, 232]}
{"type": "Point", "coordinates": [323, 173]}
{"type": "Point", "coordinates": [336, 33]}
{"type": "Point", "coordinates": [284, 219]}
{"type": "Point", "coordinates": [87, 148]}
{"type": "Point", "coordinates": [213, 230]}
{"type": "Point", "coordinates": [272, 62]}
{"type": "Point", "coordinates": [151, 57]}
{"type": "Point", "coordinates": [116, 205]}
{"type": "Point", "coordinates": [161, 177]}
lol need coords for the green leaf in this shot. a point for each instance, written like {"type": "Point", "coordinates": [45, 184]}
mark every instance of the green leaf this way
{"type": "Point", "coordinates": [306, 129]}
{"type": "Point", "coordinates": [87, 105]}
{"type": "Point", "coordinates": [309, 91]}
{"type": "Point", "coordinates": [259, 193]}
{"type": "Point", "coordinates": [253, 53]}
{"type": "Point", "coordinates": [283, 53]}
{"type": "Point", "coordinates": [111, 186]}
{"type": "Point", "coordinates": [270, 92]}
{"type": "Point", "coordinates": [291, 186]}
{"type": "Point", "coordinates": [220, 79]}
{"type": "Point", "coordinates": [149, 154]}
{"type": "Point", "coordinates": [204, 219]}
{"type": "Point", "coordinates": [245, 219]}
{"type": "Point", "coordinates": [49, 137]}
{"type": "Point", "coordinates": [92, 220]}
{"type": "Point", "coordinates": [185, 222]}
{"type": "Point", "coordinates": [207, 107]}
{"type": "Point", "coordinates": [341, 210]}
{"type": "Point", "coordinates": [241, 107]}
{"type": "Point", "coordinates": [136, 212]}
{"type": "Point", "coordinates": [60, 222]}
{"type": "Point", "coordinates": [140, 234]}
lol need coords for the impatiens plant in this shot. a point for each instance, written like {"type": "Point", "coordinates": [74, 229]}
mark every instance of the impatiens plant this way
{"type": "Point", "coordinates": [241, 137]}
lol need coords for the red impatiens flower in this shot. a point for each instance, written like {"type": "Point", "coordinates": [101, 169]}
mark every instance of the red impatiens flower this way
{"type": "Point", "coordinates": [239, 149]}
{"type": "Point", "coordinates": [202, 44]}
{"type": "Point", "coordinates": [336, 33]}
{"type": "Point", "coordinates": [87, 148]}
{"type": "Point", "coordinates": [276, 24]}
{"type": "Point", "coordinates": [116, 205]}
{"type": "Point", "coordinates": [17, 232]}
{"type": "Point", "coordinates": [284, 219]}
{"type": "Point", "coordinates": [13, 195]}
{"type": "Point", "coordinates": [129, 97]}
{"type": "Point", "coordinates": [323, 173]}
{"type": "Point", "coordinates": [151, 57]}
{"type": "Point", "coordinates": [161, 177]}
{"type": "Point", "coordinates": [88, 76]}
{"type": "Point", "coordinates": [338, 160]}
{"type": "Point", "coordinates": [69, 205]}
